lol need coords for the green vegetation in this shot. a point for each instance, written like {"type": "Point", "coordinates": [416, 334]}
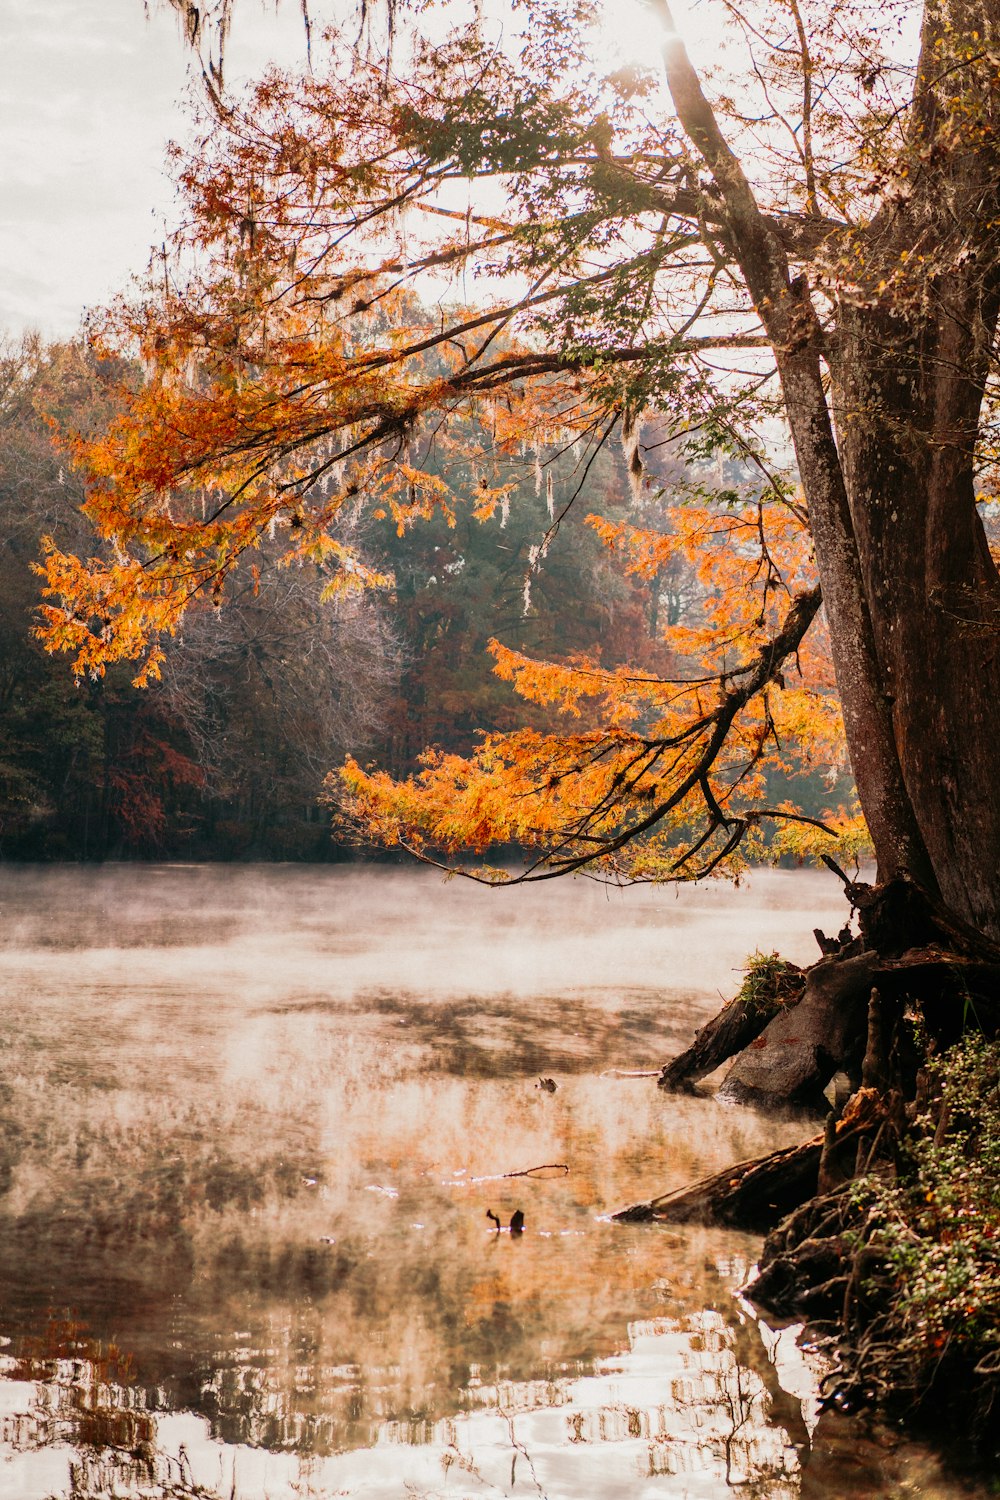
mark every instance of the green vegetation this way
{"type": "Point", "coordinates": [931, 1262]}
{"type": "Point", "coordinates": [769, 981]}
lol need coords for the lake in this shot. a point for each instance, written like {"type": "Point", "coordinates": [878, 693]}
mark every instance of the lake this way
{"type": "Point", "coordinates": [252, 1122]}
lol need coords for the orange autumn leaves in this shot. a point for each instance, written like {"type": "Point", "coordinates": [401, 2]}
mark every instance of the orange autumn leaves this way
{"type": "Point", "coordinates": [599, 785]}
{"type": "Point", "coordinates": [595, 790]}
{"type": "Point", "coordinates": [214, 457]}
{"type": "Point", "coordinates": [294, 379]}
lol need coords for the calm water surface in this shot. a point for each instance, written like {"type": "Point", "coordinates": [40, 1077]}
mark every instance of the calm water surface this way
{"type": "Point", "coordinates": [251, 1123]}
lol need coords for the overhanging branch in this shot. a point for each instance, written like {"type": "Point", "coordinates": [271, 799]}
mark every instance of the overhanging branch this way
{"type": "Point", "coordinates": [715, 728]}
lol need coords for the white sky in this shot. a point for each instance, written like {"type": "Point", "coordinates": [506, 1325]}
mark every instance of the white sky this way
{"type": "Point", "coordinates": [90, 92]}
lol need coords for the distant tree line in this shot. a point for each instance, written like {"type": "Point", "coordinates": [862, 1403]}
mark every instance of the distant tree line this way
{"type": "Point", "coordinates": [262, 694]}
{"type": "Point", "coordinates": [225, 757]}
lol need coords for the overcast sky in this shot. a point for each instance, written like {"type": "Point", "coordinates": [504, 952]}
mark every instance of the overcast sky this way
{"type": "Point", "coordinates": [90, 92]}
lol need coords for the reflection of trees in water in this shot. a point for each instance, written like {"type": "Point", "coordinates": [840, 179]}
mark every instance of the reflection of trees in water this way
{"type": "Point", "coordinates": [95, 1475]}
{"type": "Point", "coordinates": [725, 1412]}
{"type": "Point", "coordinates": [86, 1399]}
{"type": "Point", "coordinates": [220, 1222]}
{"type": "Point", "coordinates": [337, 1349]}
{"type": "Point", "coordinates": [732, 1411]}
{"type": "Point", "coordinates": [172, 1219]}
{"type": "Point", "coordinates": [717, 1416]}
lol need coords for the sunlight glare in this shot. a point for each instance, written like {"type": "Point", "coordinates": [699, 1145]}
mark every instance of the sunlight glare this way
{"type": "Point", "coordinates": [628, 34]}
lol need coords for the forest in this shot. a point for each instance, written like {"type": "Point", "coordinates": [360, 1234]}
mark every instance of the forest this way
{"type": "Point", "coordinates": [226, 757]}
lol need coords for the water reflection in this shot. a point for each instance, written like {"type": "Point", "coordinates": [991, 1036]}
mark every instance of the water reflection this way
{"type": "Point", "coordinates": [679, 1402]}
{"type": "Point", "coordinates": [252, 1125]}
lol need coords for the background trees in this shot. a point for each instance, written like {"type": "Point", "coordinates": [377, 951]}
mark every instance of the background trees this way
{"type": "Point", "coordinates": [50, 734]}
{"type": "Point", "coordinates": [228, 756]}
{"type": "Point", "coordinates": [290, 372]}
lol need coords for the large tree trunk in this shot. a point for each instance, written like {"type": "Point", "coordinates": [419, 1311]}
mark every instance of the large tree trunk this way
{"type": "Point", "coordinates": [909, 373]}
{"type": "Point", "coordinates": [906, 444]}
{"type": "Point", "coordinates": [886, 440]}
{"type": "Point", "coordinates": [909, 586]}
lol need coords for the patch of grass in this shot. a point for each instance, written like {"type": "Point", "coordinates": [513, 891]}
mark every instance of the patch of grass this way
{"type": "Point", "coordinates": [768, 983]}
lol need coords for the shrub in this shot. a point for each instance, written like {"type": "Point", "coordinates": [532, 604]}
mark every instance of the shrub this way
{"type": "Point", "coordinates": [930, 1292]}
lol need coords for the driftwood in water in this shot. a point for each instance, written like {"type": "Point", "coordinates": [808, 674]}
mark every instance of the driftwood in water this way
{"type": "Point", "coordinates": [751, 1195]}
{"type": "Point", "coordinates": [757, 1194]}
{"type": "Point", "coordinates": [790, 1039]}
{"type": "Point", "coordinates": [734, 1028]}
{"type": "Point", "coordinates": [798, 1052]}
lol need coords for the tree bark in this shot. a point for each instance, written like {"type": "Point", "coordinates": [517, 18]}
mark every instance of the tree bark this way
{"type": "Point", "coordinates": [907, 402]}
{"type": "Point", "coordinates": [911, 591]}
{"type": "Point", "coordinates": [735, 1027]}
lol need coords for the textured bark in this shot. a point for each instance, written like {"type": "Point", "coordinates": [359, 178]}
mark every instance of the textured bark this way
{"type": "Point", "coordinates": [906, 444]}
{"type": "Point", "coordinates": [794, 1058]}
{"type": "Point", "coordinates": [911, 592]}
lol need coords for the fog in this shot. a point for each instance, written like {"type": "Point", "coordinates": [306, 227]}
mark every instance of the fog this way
{"type": "Point", "coordinates": [252, 1123]}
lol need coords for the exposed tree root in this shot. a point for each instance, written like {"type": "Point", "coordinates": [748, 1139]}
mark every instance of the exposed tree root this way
{"type": "Point", "coordinates": [737, 1025]}
{"type": "Point", "coordinates": [921, 980]}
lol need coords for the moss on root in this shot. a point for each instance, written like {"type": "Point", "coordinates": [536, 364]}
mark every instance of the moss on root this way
{"type": "Point", "coordinates": [768, 982]}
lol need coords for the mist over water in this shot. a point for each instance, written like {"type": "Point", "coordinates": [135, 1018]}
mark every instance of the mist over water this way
{"type": "Point", "coordinates": [251, 1123]}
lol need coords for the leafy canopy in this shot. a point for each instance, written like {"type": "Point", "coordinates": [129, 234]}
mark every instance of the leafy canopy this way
{"type": "Point", "coordinates": [397, 286]}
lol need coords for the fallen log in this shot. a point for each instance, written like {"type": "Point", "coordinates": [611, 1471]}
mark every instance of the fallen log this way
{"type": "Point", "coordinates": [795, 1056]}
{"type": "Point", "coordinates": [757, 1194]}
{"type": "Point", "coordinates": [737, 1024]}
{"type": "Point", "coordinates": [752, 1195]}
